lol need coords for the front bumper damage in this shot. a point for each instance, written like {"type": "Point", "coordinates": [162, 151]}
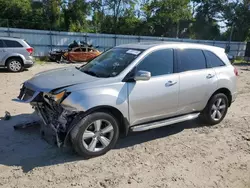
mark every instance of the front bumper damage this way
{"type": "Point", "coordinates": [57, 121]}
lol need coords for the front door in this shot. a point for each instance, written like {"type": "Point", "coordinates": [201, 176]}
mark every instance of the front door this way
{"type": "Point", "coordinates": [156, 98]}
{"type": "Point", "coordinates": [3, 53]}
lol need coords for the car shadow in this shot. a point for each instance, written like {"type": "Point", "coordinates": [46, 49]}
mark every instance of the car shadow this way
{"type": "Point", "coordinates": [25, 148]}
{"type": "Point", "coordinates": [135, 138]}
{"type": "Point", "coordinates": [5, 70]}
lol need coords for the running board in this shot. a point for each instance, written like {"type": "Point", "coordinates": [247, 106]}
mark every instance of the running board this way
{"type": "Point", "coordinates": [165, 122]}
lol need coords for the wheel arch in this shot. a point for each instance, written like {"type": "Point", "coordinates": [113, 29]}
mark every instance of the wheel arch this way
{"type": "Point", "coordinates": [225, 91]}
{"type": "Point", "coordinates": [123, 121]}
{"type": "Point", "coordinates": [12, 57]}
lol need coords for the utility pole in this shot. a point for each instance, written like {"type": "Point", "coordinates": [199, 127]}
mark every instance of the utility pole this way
{"type": "Point", "coordinates": [227, 50]}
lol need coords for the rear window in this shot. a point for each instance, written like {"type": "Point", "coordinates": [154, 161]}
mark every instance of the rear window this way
{"type": "Point", "coordinates": [213, 60]}
{"type": "Point", "coordinates": [12, 44]}
{"type": "Point", "coordinates": [27, 42]}
{"type": "Point", "coordinates": [191, 59]}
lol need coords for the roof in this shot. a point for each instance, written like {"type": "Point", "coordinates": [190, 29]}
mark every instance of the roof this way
{"type": "Point", "coordinates": [9, 38]}
{"type": "Point", "coordinates": [147, 45]}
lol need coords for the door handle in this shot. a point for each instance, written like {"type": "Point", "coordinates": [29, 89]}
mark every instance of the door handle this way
{"type": "Point", "coordinates": [210, 76]}
{"type": "Point", "coordinates": [170, 83]}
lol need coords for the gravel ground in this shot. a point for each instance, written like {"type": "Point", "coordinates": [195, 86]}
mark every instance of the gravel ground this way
{"type": "Point", "coordinates": [182, 155]}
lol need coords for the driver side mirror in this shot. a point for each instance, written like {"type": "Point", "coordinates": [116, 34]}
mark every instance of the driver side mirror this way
{"type": "Point", "coordinates": [142, 75]}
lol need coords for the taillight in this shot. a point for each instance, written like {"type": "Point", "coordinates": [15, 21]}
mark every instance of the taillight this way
{"type": "Point", "coordinates": [236, 72]}
{"type": "Point", "coordinates": [30, 50]}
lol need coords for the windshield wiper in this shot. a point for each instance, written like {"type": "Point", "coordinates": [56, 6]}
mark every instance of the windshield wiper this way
{"type": "Point", "coordinates": [91, 73]}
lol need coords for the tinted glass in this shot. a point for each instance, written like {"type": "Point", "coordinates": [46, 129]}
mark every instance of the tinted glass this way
{"type": "Point", "coordinates": [111, 63]}
{"type": "Point", "coordinates": [12, 44]}
{"type": "Point", "coordinates": [213, 60]}
{"type": "Point", "coordinates": [191, 59]}
{"type": "Point", "coordinates": [1, 44]}
{"type": "Point", "coordinates": [158, 63]}
{"type": "Point", "coordinates": [77, 50]}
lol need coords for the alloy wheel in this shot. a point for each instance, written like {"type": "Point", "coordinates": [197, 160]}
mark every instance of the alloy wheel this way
{"type": "Point", "coordinates": [15, 66]}
{"type": "Point", "coordinates": [218, 109]}
{"type": "Point", "coordinates": [98, 135]}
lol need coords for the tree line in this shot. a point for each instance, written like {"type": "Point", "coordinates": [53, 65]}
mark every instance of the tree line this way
{"type": "Point", "coordinates": [196, 19]}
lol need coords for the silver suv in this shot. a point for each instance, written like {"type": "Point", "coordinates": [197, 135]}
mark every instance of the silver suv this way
{"type": "Point", "coordinates": [15, 54]}
{"type": "Point", "coordinates": [132, 87]}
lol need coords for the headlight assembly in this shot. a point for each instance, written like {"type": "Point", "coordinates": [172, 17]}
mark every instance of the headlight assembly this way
{"type": "Point", "coordinates": [58, 97]}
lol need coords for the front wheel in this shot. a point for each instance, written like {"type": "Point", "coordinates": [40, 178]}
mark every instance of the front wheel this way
{"type": "Point", "coordinates": [216, 109]}
{"type": "Point", "coordinates": [95, 134]}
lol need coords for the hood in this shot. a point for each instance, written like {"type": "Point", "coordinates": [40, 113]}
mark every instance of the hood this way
{"type": "Point", "coordinates": [58, 78]}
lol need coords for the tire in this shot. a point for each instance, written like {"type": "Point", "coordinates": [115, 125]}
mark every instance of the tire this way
{"type": "Point", "coordinates": [210, 114]}
{"type": "Point", "coordinates": [86, 134]}
{"type": "Point", "coordinates": [15, 65]}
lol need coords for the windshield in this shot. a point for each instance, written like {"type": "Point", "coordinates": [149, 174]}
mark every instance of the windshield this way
{"type": "Point", "coordinates": [111, 63]}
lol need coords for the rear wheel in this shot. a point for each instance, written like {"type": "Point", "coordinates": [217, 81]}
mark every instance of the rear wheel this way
{"type": "Point", "coordinates": [216, 109]}
{"type": "Point", "coordinates": [15, 65]}
{"type": "Point", "coordinates": [95, 134]}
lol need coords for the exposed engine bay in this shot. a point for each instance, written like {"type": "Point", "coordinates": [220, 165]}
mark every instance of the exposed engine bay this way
{"type": "Point", "coordinates": [57, 121]}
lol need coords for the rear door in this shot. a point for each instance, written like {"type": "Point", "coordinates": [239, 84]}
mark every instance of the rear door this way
{"type": "Point", "coordinates": [197, 80]}
{"type": "Point", "coordinates": [13, 46]}
{"type": "Point", "coordinates": [3, 52]}
{"type": "Point", "coordinates": [92, 53]}
{"type": "Point", "coordinates": [84, 54]}
{"type": "Point", "coordinates": [75, 54]}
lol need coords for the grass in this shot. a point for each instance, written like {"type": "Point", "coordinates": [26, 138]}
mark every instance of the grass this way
{"type": "Point", "coordinates": [41, 60]}
{"type": "Point", "coordinates": [239, 61]}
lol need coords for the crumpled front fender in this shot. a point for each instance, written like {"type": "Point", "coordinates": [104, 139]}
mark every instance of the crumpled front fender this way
{"type": "Point", "coordinates": [85, 100]}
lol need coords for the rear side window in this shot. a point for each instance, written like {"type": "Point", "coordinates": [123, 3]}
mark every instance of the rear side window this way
{"type": "Point", "coordinates": [1, 44]}
{"type": "Point", "coordinates": [191, 59]}
{"type": "Point", "coordinates": [213, 60]}
{"type": "Point", "coordinates": [158, 63]}
{"type": "Point", "coordinates": [12, 44]}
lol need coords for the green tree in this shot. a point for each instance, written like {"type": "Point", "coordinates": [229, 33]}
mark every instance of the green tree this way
{"type": "Point", "coordinates": [75, 14]}
{"type": "Point", "coordinates": [164, 18]}
{"type": "Point", "coordinates": [13, 10]}
{"type": "Point", "coordinates": [117, 9]}
{"type": "Point", "coordinates": [129, 24]}
{"type": "Point", "coordinates": [47, 14]}
{"type": "Point", "coordinates": [205, 24]}
{"type": "Point", "coordinates": [237, 19]}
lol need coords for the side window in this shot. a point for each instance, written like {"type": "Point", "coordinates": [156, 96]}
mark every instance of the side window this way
{"type": "Point", "coordinates": [1, 44]}
{"type": "Point", "coordinates": [158, 63]}
{"type": "Point", "coordinates": [191, 59]}
{"type": "Point", "coordinates": [84, 50]}
{"type": "Point", "coordinates": [213, 60]}
{"type": "Point", "coordinates": [77, 50]}
{"type": "Point", "coordinates": [12, 44]}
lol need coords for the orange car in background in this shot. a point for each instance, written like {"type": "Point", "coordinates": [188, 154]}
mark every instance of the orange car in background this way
{"type": "Point", "coordinates": [81, 54]}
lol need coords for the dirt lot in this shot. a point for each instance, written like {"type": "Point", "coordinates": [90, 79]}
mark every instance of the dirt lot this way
{"type": "Point", "coordinates": [182, 155]}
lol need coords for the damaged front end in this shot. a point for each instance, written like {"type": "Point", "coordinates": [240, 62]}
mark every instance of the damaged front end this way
{"type": "Point", "coordinates": [57, 119]}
